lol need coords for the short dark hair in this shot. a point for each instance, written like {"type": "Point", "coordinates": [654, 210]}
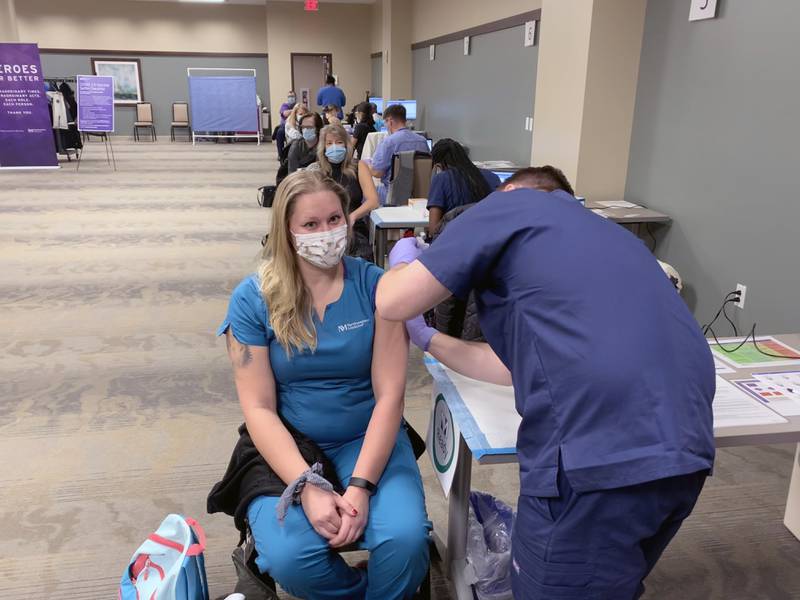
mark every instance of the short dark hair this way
{"type": "Point", "coordinates": [318, 124]}
{"type": "Point", "coordinates": [546, 178]}
{"type": "Point", "coordinates": [395, 111]}
{"type": "Point", "coordinates": [330, 80]}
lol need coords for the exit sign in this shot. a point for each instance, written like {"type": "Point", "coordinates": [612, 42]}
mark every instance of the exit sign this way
{"type": "Point", "coordinates": [312, 5]}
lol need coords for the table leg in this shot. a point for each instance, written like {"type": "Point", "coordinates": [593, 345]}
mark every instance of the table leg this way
{"type": "Point", "coordinates": [457, 524]}
{"type": "Point", "coordinates": [792, 517]}
{"type": "Point", "coordinates": [380, 246]}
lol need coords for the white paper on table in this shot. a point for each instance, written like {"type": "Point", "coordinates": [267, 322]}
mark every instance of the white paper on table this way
{"type": "Point", "coordinates": [783, 389]}
{"type": "Point", "coordinates": [492, 406]}
{"type": "Point", "coordinates": [600, 211]}
{"type": "Point", "coordinates": [618, 204]}
{"type": "Point", "coordinates": [721, 367]}
{"type": "Point", "coordinates": [734, 408]}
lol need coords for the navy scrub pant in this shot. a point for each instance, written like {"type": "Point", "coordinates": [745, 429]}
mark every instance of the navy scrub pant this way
{"type": "Point", "coordinates": [597, 545]}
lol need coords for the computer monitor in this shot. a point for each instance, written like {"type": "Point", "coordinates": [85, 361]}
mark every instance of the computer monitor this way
{"type": "Point", "coordinates": [378, 102]}
{"type": "Point", "coordinates": [503, 175]}
{"type": "Point", "coordinates": [410, 106]}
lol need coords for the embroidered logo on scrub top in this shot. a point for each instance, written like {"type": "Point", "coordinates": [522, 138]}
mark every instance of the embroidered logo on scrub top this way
{"type": "Point", "coordinates": [352, 326]}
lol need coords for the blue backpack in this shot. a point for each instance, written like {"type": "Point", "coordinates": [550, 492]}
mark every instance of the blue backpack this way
{"type": "Point", "coordinates": [169, 564]}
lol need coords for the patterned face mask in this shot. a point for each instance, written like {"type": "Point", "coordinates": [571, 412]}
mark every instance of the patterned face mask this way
{"type": "Point", "coordinates": [324, 250]}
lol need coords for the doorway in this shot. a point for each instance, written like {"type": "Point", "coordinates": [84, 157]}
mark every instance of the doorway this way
{"type": "Point", "coordinates": [308, 75]}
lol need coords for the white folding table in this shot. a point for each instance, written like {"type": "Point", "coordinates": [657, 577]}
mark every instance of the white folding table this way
{"type": "Point", "coordinates": [392, 217]}
{"type": "Point", "coordinates": [488, 422]}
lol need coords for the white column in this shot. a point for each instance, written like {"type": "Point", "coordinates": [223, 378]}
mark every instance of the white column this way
{"type": "Point", "coordinates": [586, 91]}
{"type": "Point", "coordinates": [8, 22]}
{"type": "Point", "coordinates": [396, 19]}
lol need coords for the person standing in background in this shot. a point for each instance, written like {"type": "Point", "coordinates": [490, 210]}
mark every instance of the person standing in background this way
{"type": "Point", "coordinates": [280, 131]}
{"type": "Point", "coordinates": [330, 93]}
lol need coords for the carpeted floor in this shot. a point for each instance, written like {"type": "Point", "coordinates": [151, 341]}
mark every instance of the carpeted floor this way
{"type": "Point", "coordinates": [117, 404]}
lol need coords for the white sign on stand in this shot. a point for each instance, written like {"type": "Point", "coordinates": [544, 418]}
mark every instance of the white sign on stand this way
{"type": "Point", "coordinates": [442, 442]}
{"type": "Point", "coordinates": [703, 9]}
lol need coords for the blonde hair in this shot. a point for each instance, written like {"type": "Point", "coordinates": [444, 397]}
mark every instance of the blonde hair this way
{"type": "Point", "coordinates": [341, 135]}
{"type": "Point", "coordinates": [291, 120]}
{"type": "Point", "coordinates": [288, 299]}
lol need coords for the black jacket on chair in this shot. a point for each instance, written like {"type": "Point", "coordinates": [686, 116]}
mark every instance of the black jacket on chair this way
{"type": "Point", "coordinates": [248, 476]}
{"type": "Point", "coordinates": [453, 316]}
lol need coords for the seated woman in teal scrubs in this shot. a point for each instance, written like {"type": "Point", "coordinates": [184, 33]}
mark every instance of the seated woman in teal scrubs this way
{"type": "Point", "coordinates": [307, 346]}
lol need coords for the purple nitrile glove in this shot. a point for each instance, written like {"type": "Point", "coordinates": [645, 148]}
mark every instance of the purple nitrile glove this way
{"type": "Point", "coordinates": [404, 251]}
{"type": "Point", "coordinates": [420, 333]}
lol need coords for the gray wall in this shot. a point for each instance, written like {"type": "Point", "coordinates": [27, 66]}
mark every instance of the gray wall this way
{"type": "Point", "coordinates": [715, 145]}
{"type": "Point", "coordinates": [376, 81]}
{"type": "Point", "coordinates": [164, 81]}
{"type": "Point", "coordinates": [482, 99]}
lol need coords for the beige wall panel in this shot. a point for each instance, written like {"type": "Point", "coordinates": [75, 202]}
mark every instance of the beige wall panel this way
{"type": "Point", "coordinates": [432, 18]}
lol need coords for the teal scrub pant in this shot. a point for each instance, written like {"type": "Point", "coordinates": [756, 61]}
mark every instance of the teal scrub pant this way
{"type": "Point", "coordinates": [396, 535]}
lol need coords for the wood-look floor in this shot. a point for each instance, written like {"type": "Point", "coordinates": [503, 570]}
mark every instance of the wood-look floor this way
{"type": "Point", "coordinates": [117, 405]}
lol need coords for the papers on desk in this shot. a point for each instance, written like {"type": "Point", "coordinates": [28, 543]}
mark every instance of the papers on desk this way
{"type": "Point", "coordinates": [748, 356]}
{"type": "Point", "coordinates": [734, 408]}
{"type": "Point", "coordinates": [779, 391]}
{"type": "Point", "coordinates": [601, 212]}
{"type": "Point", "coordinates": [399, 216]}
{"type": "Point", "coordinates": [494, 164]}
{"type": "Point", "coordinates": [617, 204]}
{"type": "Point", "coordinates": [720, 367]}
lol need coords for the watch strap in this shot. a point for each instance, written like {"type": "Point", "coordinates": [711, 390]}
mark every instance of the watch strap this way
{"type": "Point", "coordinates": [360, 482]}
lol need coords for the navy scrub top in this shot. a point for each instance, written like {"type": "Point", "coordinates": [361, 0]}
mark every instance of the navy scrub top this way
{"type": "Point", "coordinates": [449, 189]}
{"type": "Point", "coordinates": [609, 367]}
{"type": "Point", "coordinates": [327, 394]}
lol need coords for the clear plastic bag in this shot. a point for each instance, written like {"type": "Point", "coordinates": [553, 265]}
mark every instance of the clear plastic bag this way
{"type": "Point", "coordinates": [489, 546]}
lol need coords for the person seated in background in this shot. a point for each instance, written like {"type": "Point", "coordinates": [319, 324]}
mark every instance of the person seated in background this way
{"type": "Point", "coordinates": [311, 357]}
{"type": "Point", "coordinates": [279, 134]}
{"type": "Point", "coordinates": [304, 151]}
{"type": "Point", "coordinates": [458, 181]}
{"type": "Point", "coordinates": [335, 160]}
{"type": "Point", "coordinates": [292, 126]}
{"type": "Point", "coordinates": [330, 93]}
{"type": "Point", "coordinates": [330, 115]}
{"type": "Point", "coordinates": [364, 125]}
{"type": "Point", "coordinates": [377, 118]}
{"type": "Point", "coordinates": [459, 318]}
{"type": "Point", "coordinates": [400, 139]}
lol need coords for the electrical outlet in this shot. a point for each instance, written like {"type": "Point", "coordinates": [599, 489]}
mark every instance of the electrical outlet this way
{"type": "Point", "coordinates": [743, 289]}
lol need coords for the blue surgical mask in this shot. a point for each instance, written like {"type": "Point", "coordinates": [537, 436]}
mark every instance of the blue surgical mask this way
{"type": "Point", "coordinates": [378, 124]}
{"type": "Point", "coordinates": [336, 153]}
{"type": "Point", "coordinates": [309, 134]}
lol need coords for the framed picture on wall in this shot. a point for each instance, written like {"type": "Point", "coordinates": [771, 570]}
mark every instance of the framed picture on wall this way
{"type": "Point", "coordinates": [127, 74]}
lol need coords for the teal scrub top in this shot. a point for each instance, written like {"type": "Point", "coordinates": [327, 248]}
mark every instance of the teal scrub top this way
{"type": "Point", "coordinates": [327, 394]}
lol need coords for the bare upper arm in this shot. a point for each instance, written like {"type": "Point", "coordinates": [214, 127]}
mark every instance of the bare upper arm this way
{"type": "Point", "coordinates": [408, 291]}
{"type": "Point", "coordinates": [389, 359]}
{"type": "Point", "coordinates": [255, 383]}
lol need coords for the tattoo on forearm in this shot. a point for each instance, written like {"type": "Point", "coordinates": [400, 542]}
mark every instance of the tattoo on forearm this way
{"type": "Point", "coordinates": [240, 354]}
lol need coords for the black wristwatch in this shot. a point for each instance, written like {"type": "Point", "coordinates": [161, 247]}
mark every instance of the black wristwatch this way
{"type": "Point", "coordinates": [360, 482]}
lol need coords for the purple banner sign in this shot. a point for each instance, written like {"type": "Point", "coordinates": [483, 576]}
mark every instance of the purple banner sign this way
{"type": "Point", "coordinates": [96, 103]}
{"type": "Point", "coordinates": [26, 131]}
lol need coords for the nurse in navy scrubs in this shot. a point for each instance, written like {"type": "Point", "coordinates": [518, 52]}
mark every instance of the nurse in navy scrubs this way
{"type": "Point", "coordinates": [307, 347]}
{"type": "Point", "coordinates": [611, 373]}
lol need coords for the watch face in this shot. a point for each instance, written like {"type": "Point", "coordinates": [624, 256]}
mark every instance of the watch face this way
{"type": "Point", "coordinates": [444, 442]}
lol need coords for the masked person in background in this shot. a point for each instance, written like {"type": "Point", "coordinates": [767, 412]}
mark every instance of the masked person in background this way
{"type": "Point", "coordinates": [304, 151]}
{"type": "Point", "coordinates": [335, 160]}
{"type": "Point", "coordinates": [280, 131]}
{"type": "Point", "coordinates": [308, 349]}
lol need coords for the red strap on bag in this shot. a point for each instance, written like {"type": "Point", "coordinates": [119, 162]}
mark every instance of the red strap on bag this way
{"type": "Point", "coordinates": [194, 549]}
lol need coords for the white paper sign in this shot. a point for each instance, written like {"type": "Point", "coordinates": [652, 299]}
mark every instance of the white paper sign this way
{"type": "Point", "coordinates": [432, 51]}
{"type": "Point", "coordinates": [703, 9]}
{"type": "Point", "coordinates": [442, 442]}
{"type": "Point", "coordinates": [466, 45]}
{"type": "Point", "coordinates": [530, 33]}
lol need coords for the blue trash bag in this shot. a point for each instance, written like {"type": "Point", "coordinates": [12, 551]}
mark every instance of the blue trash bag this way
{"type": "Point", "coordinates": [491, 522]}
